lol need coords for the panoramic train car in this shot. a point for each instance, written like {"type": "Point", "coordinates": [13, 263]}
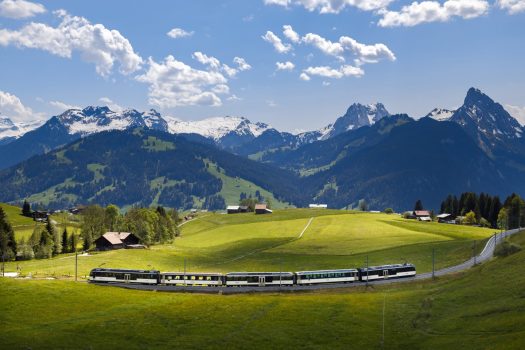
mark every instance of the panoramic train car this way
{"type": "Point", "coordinates": [192, 278]}
{"type": "Point", "coordinates": [327, 276]}
{"type": "Point", "coordinates": [99, 275]}
{"type": "Point", "coordinates": [387, 271]}
{"type": "Point", "coordinates": [260, 279]}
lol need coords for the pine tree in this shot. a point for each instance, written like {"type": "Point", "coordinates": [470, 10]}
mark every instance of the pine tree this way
{"type": "Point", "coordinates": [418, 205]}
{"type": "Point", "coordinates": [7, 238]}
{"type": "Point", "coordinates": [64, 241]}
{"type": "Point", "coordinates": [26, 209]}
{"type": "Point", "coordinates": [73, 242]}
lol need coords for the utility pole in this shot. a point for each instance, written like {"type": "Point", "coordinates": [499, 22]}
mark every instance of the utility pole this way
{"type": "Point", "coordinates": [433, 263]}
{"type": "Point", "coordinates": [76, 265]}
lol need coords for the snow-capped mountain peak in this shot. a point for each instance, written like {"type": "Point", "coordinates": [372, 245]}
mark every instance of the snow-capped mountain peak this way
{"type": "Point", "coordinates": [218, 127]}
{"type": "Point", "coordinates": [10, 130]}
{"type": "Point", "coordinates": [440, 114]}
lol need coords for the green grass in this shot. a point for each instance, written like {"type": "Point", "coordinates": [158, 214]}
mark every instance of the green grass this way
{"type": "Point", "coordinates": [14, 214]}
{"type": "Point", "coordinates": [241, 242]}
{"type": "Point", "coordinates": [483, 308]}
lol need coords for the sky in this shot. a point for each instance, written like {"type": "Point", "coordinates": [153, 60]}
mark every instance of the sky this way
{"type": "Point", "coordinates": [295, 64]}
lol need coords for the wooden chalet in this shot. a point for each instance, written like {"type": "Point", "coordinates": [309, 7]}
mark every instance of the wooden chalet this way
{"type": "Point", "coordinates": [116, 240]}
{"type": "Point", "coordinates": [232, 209]}
{"type": "Point", "coordinates": [262, 209]}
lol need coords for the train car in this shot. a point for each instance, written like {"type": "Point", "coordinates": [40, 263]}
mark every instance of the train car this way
{"type": "Point", "coordinates": [327, 276]}
{"type": "Point", "coordinates": [192, 278]}
{"type": "Point", "coordinates": [99, 275]}
{"type": "Point", "coordinates": [386, 272]}
{"type": "Point", "coordinates": [260, 279]}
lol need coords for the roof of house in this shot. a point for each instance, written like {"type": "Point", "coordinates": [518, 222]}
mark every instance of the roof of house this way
{"type": "Point", "coordinates": [260, 206]}
{"type": "Point", "coordinates": [442, 216]}
{"type": "Point", "coordinates": [425, 218]}
{"type": "Point", "coordinates": [232, 207]}
{"type": "Point", "coordinates": [116, 237]}
{"type": "Point", "coordinates": [422, 212]}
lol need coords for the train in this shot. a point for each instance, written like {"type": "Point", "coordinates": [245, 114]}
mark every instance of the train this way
{"type": "Point", "coordinates": [253, 279]}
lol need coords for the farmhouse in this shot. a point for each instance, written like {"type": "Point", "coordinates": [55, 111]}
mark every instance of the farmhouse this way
{"type": "Point", "coordinates": [317, 206]}
{"type": "Point", "coordinates": [445, 218]}
{"type": "Point", "coordinates": [262, 209]}
{"type": "Point", "coordinates": [422, 215]}
{"type": "Point", "coordinates": [116, 240]}
{"type": "Point", "coordinates": [40, 215]}
{"type": "Point", "coordinates": [232, 209]}
{"type": "Point", "coordinates": [243, 209]}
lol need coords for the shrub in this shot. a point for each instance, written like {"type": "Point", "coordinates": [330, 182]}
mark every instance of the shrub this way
{"type": "Point", "coordinates": [506, 248]}
{"type": "Point", "coordinates": [389, 211]}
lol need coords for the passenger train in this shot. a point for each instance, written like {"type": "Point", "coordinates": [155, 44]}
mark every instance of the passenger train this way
{"type": "Point", "coordinates": [243, 279]}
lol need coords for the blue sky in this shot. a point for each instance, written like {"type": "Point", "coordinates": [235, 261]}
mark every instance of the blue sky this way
{"type": "Point", "coordinates": [410, 56]}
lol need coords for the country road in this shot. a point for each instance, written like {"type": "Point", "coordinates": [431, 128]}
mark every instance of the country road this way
{"type": "Point", "coordinates": [486, 254]}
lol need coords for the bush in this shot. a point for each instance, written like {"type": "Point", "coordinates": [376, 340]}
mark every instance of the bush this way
{"type": "Point", "coordinates": [389, 211]}
{"type": "Point", "coordinates": [506, 248]}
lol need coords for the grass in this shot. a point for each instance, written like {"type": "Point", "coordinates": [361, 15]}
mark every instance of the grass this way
{"type": "Point", "coordinates": [482, 308]}
{"type": "Point", "coordinates": [244, 242]}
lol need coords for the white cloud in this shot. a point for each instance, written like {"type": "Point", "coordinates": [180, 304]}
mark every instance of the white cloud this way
{"type": "Point", "coordinates": [13, 108]}
{"type": "Point", "coordinates": [328, 72]}
{"type": "Point", "coordinates": [285, 65]}
{"type": "Point", "coordinates": [176, 33]}
{"type": "Point", "coordinates": [291, 34]}
{"type": "Point", "coordinates": [234, 97]}
{"type": "Point", "coordinates": [276, 42]}
{"type": "Point", "coordinates": [241, 64]}
{"type": "Point", "coordinates": [173, 83]}
{"type": "Point", "coordinates": [512, 6]}
{"type": "Point", "coordinates": [20, 9]}
{"type": "Point", "coordinates": [304, 77]}
{"type": "Point", "coordinates": [115, 107]}
{"type": "Point", "coordinates": [61, 106]}
{"type": "Point", "coordinates": [326, 83]}
{"type": "Point", "coordinates": [95, 43]}
{"type": "Point", "coordinates": [433, 11]}
{"type": "Point", "coordinates": [326, 46]}
{"type": "Point", "coordinates": [331, 6]}
{"type": "Point", "coordinates": [517, 112]}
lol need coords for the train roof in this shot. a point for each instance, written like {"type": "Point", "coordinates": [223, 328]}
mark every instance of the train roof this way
{"type": "Point", "coordinates": [383, 267]}
{"type": "Point", "coordinates": [326, 271]}
{"type": "Point", "coordinates": [98, 269]}
{"type": "Point", "coordinates": [193, 273]}
{"type": "Point", "coordinates": [258, 273]}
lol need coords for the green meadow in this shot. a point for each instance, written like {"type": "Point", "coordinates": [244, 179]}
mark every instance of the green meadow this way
{"type": "Point", "coordinates": [248, 242]}
{"type": "Point", "coordinates": [482, 308]}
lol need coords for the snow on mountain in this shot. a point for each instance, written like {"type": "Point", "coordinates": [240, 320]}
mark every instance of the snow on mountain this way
{"type": "Point", "coordinates": [10, 130]}
{"type": "Point", "coordinates": [217, 127]}
{"type": "Point", "coordinates": [440, 114]}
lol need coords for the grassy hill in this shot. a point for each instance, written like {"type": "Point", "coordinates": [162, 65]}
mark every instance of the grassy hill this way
{"type": "Point", "coordinates": [241, 242]}
{"type": "Point", "coordinates": [482, 308]}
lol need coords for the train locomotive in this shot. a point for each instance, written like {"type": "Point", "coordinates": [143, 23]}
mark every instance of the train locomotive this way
{"type": "Point", "coordinates": [245, 279]}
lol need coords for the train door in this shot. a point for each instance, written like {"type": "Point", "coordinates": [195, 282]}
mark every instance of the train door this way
{"type": "Point", "coordinates": [126, 278]}
{"type": "Point", "coordinates": [262, 281]}
{"type": "Point", "coordinates": [385, 274]}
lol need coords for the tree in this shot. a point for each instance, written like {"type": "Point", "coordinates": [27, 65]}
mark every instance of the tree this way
{"type": "Point", "coordinates": [111, 217]}
{"type": "Point", "coordinates": [249, 202]}
{"type": "Point", "coordinates": [363, 206]}
{"type": "Point", "coordinates": [92, 225]}
{"type": "Point", "coordinates": [388, 211]}
{"type": "Point", "coordinates": [55, 236]}
{"type": "Point", "coordinates": [503, 219]}
{"type": "Point", "coordinates": [65, 241]}
{"type": "Point", "coordinates": [7, 238]}
{"type": "Point", "coordinates": [26, 209]}
{"type": "Point", "coordinates": [418, 205]}
{"type": "Point", "coordinates": [470, 218]}
{"type": "Point", "coordinates": [73, 242]}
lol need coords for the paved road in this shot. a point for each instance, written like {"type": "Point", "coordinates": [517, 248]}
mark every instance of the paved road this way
{"type": "Point", "coordinates": [486, 254]}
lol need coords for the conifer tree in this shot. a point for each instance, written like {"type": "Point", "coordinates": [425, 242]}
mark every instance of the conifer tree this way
{"type": "Point", "coordinates": [26, 209]}
{"type": "Point", "coordinates": [65, 241]}
{"type": "Point", "coordinates": [418, 205]}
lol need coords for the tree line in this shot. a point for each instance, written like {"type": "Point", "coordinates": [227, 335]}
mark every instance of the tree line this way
{"type": "Point", "coordinates": [486, 209]}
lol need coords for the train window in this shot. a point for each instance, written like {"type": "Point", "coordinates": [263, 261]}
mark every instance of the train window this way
{"type": "Point", "coordinates": [208, 278]}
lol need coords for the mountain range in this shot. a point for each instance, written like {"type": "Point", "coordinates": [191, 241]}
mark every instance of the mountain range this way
{"type": "Point", "coordinates": [367, 153]}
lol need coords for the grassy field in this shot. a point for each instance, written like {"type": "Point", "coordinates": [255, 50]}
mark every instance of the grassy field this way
{"type": "Point", "coordinates": [482, 308]}
{"type": "Point", "coordinates": [248, 242]}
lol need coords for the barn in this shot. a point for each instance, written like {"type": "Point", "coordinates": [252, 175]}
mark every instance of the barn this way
{"type": "Point", "coordinates": [116, 240]}
{"type": "Point", "coordinates": [262, 209]}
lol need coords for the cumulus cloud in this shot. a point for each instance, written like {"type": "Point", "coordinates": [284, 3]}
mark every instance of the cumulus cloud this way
{"type": "Point", "coordinates": [517, 112]}
{"type": "Point", "coordinates": [331, 6]}
{"type": "Point", "coordinates": [94, 42]}
{"type": "Point", "coordinates": [512, 6]}
{"type": "Point", "coordinates": [14, 109]}
{"type": "Point", "coordinates": [18, 9]}
{"type": "Point", "coordinates": [291, 34]}
{"type": "Point", "coordinates": [176, 33]}
{"type": "Point", "coordinates": [61, 106]}
{"type": "Point", "coordinates": [433, 11]}
{"type": "Point", "coordinates": [328, 72]}
{"type": "Point", "coordinates": [276, 42]}
{"type": "Point", "coordinates": [304, 76]}
{"type": "Point", "coordinates": [173, 83]}
{"type": "Point", "coordinates": [285, 65]}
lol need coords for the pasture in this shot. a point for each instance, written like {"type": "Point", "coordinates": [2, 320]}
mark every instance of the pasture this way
{"type": "Point", "coordinates": [481, 308]}
{"type": "Point", "coordinates": [248, 242]}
